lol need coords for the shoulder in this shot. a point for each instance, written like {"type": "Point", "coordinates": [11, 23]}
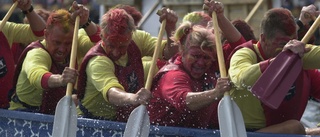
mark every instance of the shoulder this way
{"type": "Point", "coordinates": [139, 35]}
{"type": "Point", "coordinates": [38, 52]}
{"type": "Point", "coordinates": [100, 63]}
{"type": "Point", "coordinates": [176, 75]}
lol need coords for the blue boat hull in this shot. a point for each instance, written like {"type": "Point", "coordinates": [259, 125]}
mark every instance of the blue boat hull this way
{"type": "Point", "coordinates": [25, 124]}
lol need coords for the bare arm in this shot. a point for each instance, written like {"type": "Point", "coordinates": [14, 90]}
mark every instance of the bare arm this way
{"type": "Point", "coordinates": [171, 17]}
{"type": "Point", "coordinates": [68, 75]}
{"type": "Point", "coordinates": [229, 31]}
{"type": "Point", "coordinates": [36, 22]}
{"type": "Point", "coordinates": [198, 100]}
{"type": "Point", "coordinates": [120, 97]}
{"type": "Point", "coordinates": [85, 22]}
{"type": "Point", "coordinates": [313, 131]}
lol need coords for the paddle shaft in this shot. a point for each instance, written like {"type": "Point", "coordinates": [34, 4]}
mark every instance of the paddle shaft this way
{"type": "Point", "coordinates": [254, 9]}
{"type": "Point", "coordinates": [155, 56]}
{"type": "Point", "coordinates": [65, 118]}
{"type": "Point", "coordinates": [230, 117]}
{"type": "Point", "coordinates": [222, 66]}
{"type": "Point", "coordinates": [73, 54]}
{"type": "Point", "coordinates": [7, 16]}
{"type": "Point", "coordinates": [311, 31]}
{"type": "Point", "coordinates": [138, 122]}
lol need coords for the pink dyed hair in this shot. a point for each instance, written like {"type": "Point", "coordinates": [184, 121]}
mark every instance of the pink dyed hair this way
{"type": "Point", "coordinates": [116, 24]}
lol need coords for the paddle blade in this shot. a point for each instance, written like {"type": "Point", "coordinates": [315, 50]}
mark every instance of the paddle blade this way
{"type": "Point", "coordinates": [65, 118]}
{"type": "Point", "coordinates": [230, 118]}
{"type": "Point", "coordinates": [138, 124]}
{"type": "Point", "coordinates": [275, 82]}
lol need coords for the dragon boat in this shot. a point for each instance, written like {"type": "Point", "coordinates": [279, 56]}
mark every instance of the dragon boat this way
{"type": "Point", "coordinates": [26, 124]}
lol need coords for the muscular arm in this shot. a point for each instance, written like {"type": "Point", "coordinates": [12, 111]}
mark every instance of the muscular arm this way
{"type": "Point", "coordinates": [229, 31]}
{"type": "Point", "coordinates": [120, 97]}
{"type": "Point", "coordinates": [198, 100]}
{"type": "Point", "coordinates": [36, 22]}
{"type": "Point", "coordinates": [59, 80]}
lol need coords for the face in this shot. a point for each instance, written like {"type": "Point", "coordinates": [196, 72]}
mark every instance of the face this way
{"type": "Point", "coordinates": [58, 43]}
{"type": "Point", "coordinates": [196, 61]}
{"type": "Point", "coordinates": [116, 49]}
{"type": "Point", "coordinates": [273, 46]}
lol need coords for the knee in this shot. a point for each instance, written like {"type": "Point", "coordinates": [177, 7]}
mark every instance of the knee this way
{"type": "Point", "coordinates": [296, 127]}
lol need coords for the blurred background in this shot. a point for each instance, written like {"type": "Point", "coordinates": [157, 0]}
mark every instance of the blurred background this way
{"type": "Point", "coordinates": [234, 9]}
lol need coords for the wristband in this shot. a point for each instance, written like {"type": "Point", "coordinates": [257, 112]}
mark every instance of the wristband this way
{"type": "Point", "coordinates": [87, 24]}
{"type": "Point", "coordinates": [28, 11]}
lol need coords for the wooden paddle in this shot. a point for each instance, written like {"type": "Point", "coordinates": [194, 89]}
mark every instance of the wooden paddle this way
{"type": "Point", "coordinates": [138, 124]}
{"type": "Point", "coordinates": [7, 16]}
{"type": "Point", "coordinates": [230, 117]}
{"type": "Point", "coordinates": [254, 9]}
{"type": "Point", "coordinates": [65, 118]}
{"type": "Point", "coordinates": [274, 83]}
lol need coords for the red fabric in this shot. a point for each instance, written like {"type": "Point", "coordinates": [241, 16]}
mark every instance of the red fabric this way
{"type": "Point", "coordinates": [44, 80]}
{"type": "Point", "coordinates": [161, 63]}
{"type": "Point", "coordinates": [263, 64]}
{"type": "Point", "coordinates": [6, 70]}
{"type": "Point", "coordinates": [17, 50]}
{"type": "Point", "coordinates": [228, 48]}
{"type": "Point", "coordinates": [96, 37]}
{"type": "Point", "coordinates": [38, 33]}
{"type": "Point", "coordinates": [51, 96]}
{"type": "Point", "coordinates": [294, 104]}
{"type": "Point", "coordinates": [96, 50]}
{"type": "Point", "coordinates": [131, 77]}
{"type": "Point", "coordinates": [168, 106]}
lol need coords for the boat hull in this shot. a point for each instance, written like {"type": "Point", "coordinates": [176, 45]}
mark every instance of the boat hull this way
{"type": "Point", "coordinates": [25, 124]}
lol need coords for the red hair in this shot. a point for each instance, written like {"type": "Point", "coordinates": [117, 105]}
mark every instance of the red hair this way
{"type": "Point", "coordinates": [244, 28]}
{"type": "Point", "coordinates": [117, 24]}
{"type": "Point", "coordinates": [278, 20]}
{"type": "Point", "coordinates": [60, 18]}
{"type": "Point", "coordinates": [132, 11]}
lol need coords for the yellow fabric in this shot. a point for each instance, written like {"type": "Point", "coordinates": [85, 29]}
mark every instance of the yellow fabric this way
{"type": "Point", "coordinates": [147, 43]}
{"type": "Point", "coordinates": [97, 85]}
{"type": "Point", "coordinates": [29, 88]}
{"type": "Point", "coordinates": [83, 39]}
{"type": "Point", "coordinates": [36, 64]}
{"type": "Point", "coordinates": [244, 71]}
{"type": "Point", "coordinates": [19, 33]}
{"type": "Point", "coordinates": [243, 76]}
{"type": "Point", "coordinates": [101, 76]}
